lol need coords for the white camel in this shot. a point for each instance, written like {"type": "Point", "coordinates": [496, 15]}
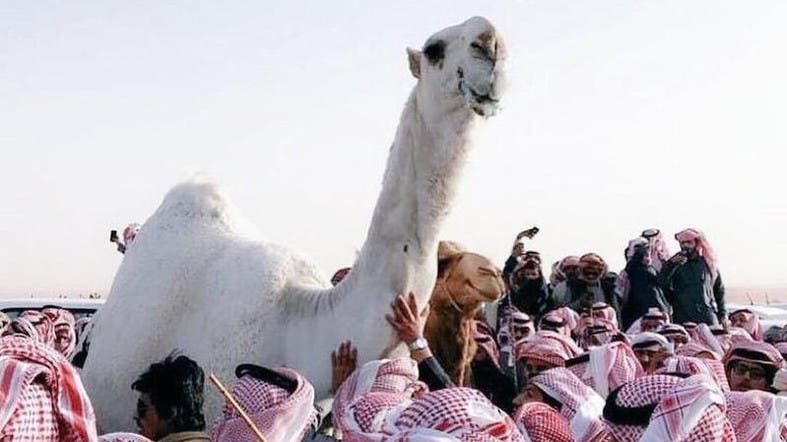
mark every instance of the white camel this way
{"type": "Point", "coordinates": [200, 280]}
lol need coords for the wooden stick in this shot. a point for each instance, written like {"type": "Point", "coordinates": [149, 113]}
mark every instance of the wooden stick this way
{"type": "Point", "coordinates": [227, 395]}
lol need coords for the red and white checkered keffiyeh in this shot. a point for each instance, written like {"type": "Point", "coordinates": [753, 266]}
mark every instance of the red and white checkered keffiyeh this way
{"type": "Point", "coordinates": [603, 310]}
{"type": "Point", "coordinates": [34, 325]}
{"type": "Point", "coordinates": [33, 416]}
{"type": "Point", "coordinates": [64, 323]}
{"type": "Point", "coordinates": [130, 233]}
{"type": "Point", "coordinates": [487, 343]}
{"type": "Point", "coordinates": [582, 406]}
{"type": "Point", "coordinates": [555, 322]}
{"type": "Point", "coordinates": [569, 317]}
{"type": "Point", "coordinates": [598, 331]}
{"type": "Point", "coordinates": [696, 350]}
{"type": "Point", "coordinates": [668, 330]}
{"type": "Point", "coordinates": [706, 338]}
{"type": "Point", "coordinates": [690, 327]}
{"type": "Point", "coordinates": [538, 422]}
{"type": "Point", "coordinates": [650, 339]}
{"type": "Point", "coordinates": [520, 318]}
{"type": "Point", "coordinates": [738, 334]}
{"type": "Point", "coordinates": [24, 362]}
{"type": "Point", "coordinates": [279, 415]}
{"type": "Point", "coordinates": [548, 346]}
{"type": "Point", "coordinates": [451, 414]}
{"type": "Point", "coordinates": [656, 316]}
{"type": "Point", "coordinates": [683, 410]}
{"type": "Point", "coordinates": [635, 327]}
{"type": "Point", "coordinates": [607, 367]}
{"type": "Point", "coordinates": [724, 339]}
{"type": "Point", "coordinates": [695, 410]}
{"type": "Point", "coordinates": [370, 394]}
{"type": "Point", "coordinates": [750, 322]}
{"type": "Point", "coordinates": [123, 437]}
{"type": "Point", "coordinates": [691, 366]}
{"type": "Point", "coordinates": [522, 321]}
{"type": "Point", "coordinates": [757, 416]}
{"type": "Point", "coordinates": [703, 247]}
{"type": "Point", "coordinates": [622, 422]}
{"type": "Point", "coordinates": [768, 351]}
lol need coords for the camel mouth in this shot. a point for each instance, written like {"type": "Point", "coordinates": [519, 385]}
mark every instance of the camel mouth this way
{"type": "Point", "coordinates": [483, 105]}
{"type": "Point", "coordinates": [490, 293]}
{"type": "Point", "coordinates": [492, 297]}
{"type": "Point", "coordinates": [482, 98]}
{"type": "Point", "coordinates": [484, 111]}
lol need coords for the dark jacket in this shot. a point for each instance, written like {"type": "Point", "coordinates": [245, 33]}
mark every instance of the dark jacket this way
{"type": "Point", "coordinates": [644, 293]}
{"type": "Point", "coordinates": [509, 267]}
{"type": "Point", "coordinates": [579, 295]}
{"type": "Point", "coordinates": [494, 384]}
{"type": "Point", "coordinates": [694, 296]}
{"type": "Point", "coordinates": [532, 297]}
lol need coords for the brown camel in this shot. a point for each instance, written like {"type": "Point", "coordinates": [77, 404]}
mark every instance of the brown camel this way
{"type": "Point", "coordinates": [464, 282]}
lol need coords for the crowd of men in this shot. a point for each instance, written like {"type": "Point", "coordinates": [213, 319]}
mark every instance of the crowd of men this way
{"type": "Point", "coordinates": [650, 354]}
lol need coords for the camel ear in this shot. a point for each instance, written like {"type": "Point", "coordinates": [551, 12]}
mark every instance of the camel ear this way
{"type": "Point", "coordinates": [414, 57]}
{"type": "Point", "coordinates": [448, 249]}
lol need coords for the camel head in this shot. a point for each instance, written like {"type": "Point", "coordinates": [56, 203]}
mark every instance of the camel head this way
{"type": "Point", "coordinates": [465, 278]}
{"type": "Point", "coordinates": [461, 66]}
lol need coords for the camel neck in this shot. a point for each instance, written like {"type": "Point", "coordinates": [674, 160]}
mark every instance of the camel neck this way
{"type": "Point", "coordinates": [418, 190]}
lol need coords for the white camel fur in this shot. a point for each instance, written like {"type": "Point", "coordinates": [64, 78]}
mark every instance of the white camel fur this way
{"type": "Point", "coordinates": [198, 279]}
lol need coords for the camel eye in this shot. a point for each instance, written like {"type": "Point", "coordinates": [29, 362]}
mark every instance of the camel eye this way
{"type": "Point", "coordinates": [435, 52]}
{"type": "Point", "coordinates": [482, 50]}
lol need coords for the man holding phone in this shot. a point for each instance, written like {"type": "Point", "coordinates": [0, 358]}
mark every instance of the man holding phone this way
{"type": "Point", "coordinates": [692, 283]}
{"type": "Point", "coordinates": [129, 234]}
{"type": "Point", "coordinates": [518, 251]}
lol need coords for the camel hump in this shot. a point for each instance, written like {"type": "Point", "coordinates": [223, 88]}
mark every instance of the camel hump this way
{"type": "Point", "coordinates": [196, 197]}
{"type": "Point", "coordinates": [200, 200]}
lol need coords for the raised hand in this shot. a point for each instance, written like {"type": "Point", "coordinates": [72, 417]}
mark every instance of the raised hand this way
{"type": "Point", "coordinates": [344, 361]}
{"type": "Point", "coordinates": [406, 320]}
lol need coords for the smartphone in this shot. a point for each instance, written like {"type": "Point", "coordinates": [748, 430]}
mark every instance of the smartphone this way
{"type": "Point", "coordinates": [113, 236]}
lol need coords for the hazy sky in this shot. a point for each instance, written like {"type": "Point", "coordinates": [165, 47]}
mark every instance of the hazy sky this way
{"type": "Point", "coordinates": [621, 115]}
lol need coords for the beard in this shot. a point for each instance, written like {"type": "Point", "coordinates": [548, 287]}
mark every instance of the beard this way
{"type": "Point", "coordinates": [527, 282]}
{"type": "Point", "coordinates": [688, 251]}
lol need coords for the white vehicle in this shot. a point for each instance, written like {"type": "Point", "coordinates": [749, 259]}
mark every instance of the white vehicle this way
{"type": "Point", "coordinates": [78, 306]}
{"type": "Point", "coordinates": [770, 315]}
